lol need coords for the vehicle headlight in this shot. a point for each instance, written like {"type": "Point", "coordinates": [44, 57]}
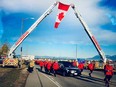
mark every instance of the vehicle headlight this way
{"type": "Point", "coordinates": [72, 71]}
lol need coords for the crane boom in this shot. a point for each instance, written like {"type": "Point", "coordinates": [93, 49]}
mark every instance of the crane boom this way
{"type": "Point", "coordinates": [86, 28]}
{"type": "Point", "coordinates": [23, 37]}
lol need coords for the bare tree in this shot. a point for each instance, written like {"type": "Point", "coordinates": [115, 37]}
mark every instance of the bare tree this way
{"type": "Point", "coordinates": [4, 49]}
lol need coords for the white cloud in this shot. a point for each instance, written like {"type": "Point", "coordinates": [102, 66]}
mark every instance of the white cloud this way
{"type": "Point", "coordinates": [25, 5]}
{"type": "Point", "coordinates": [105, 37]}
{"type": "Point", "coordinates": [88, 8]}
{"type": "Point", "coordinates": [92, 14]}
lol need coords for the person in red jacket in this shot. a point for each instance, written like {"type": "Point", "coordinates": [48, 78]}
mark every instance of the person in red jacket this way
{"type": "Point", "coordinates": [75, 63]}
{"type": "Point", "coordinates": [41, 64]}
{"type": "Point", "coordinates": [45, 66]}
{"type": "Point", "coordinates": [49, 65]}
{"type": "Point", "coordinates": [91, 68]}
{"type": "Point", "coordinates": [55, 67]}
{"type": "Point", "coordinates": [108, 70]}
{"type": "Point", "coordinates": [81, 67]}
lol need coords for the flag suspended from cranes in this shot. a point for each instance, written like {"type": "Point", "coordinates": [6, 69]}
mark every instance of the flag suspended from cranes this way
{"type": "Point", "coordinates": [62, 9]}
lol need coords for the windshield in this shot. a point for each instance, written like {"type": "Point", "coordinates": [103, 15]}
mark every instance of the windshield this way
{"type": "Point", "coordinates": [68, 64]}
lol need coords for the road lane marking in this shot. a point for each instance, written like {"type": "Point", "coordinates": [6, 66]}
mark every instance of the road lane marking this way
{"type": "Point", "coordinates": [51, 79]}
{"type": "Point", "coordinates": [55, 81]}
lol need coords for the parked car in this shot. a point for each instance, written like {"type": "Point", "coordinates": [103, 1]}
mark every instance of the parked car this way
{"type": "Point", "coordinates": [67, 69]}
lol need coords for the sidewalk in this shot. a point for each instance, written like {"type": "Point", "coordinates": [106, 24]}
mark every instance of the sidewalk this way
{"type": "Point", "coordinates": [33, 80]}
{"type": "Point", "coordinates": [40, 79]}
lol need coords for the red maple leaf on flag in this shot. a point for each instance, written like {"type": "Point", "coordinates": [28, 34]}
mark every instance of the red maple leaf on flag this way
{"type": "Point", "coordinates": [60, 16]}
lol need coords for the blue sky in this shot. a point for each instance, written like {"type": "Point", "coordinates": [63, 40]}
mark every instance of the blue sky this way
{"type": "Point", "coordinates": [45, 40]}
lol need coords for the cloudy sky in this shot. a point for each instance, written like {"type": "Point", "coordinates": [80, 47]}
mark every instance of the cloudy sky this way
{"type": "Point", "coordinates": [45, 40]}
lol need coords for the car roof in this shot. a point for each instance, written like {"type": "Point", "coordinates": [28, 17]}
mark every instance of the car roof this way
{"type": "Point", "coordinates": [64, 62]}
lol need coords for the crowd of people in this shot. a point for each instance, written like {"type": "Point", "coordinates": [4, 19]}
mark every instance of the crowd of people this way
{"type": "Point", "coordinates": [48, 66]}
{"type": "Point", "coordinates": [51, 67]}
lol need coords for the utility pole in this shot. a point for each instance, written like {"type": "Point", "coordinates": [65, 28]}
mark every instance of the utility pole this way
{"type": "Point", "coordinates": [76, 51]}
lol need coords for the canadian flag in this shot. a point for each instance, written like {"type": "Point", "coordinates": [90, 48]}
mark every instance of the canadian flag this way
{"type": "Point", "coordinates": [62, 9]}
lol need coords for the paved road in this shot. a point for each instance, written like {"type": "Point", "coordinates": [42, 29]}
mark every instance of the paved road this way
{"type": "Point", "coordinates": [44, 80]}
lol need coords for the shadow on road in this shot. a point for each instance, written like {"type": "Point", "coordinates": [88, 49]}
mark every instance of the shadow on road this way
{"type": "Point", "coordinates": [43, 71]}
{"type": "Point", "coordinates": [86, 78]}
{"type": "Point", "coordinates": [93, 80]}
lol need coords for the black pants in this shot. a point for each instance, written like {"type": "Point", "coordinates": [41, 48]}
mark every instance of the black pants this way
{"type": "Point", "coordinates": [19, 65]}
{"type": "Point", "coordinates": [54, 72]}
{"type": "Point", "coordinates": [81, 70]}
{"type": "Point", "coordinates": [30, 69]}
{"type": "Point", "coordinates": [41, 67]}
{"type": "Point", "coordinates": [46, 70]}
{"type": "Point", "coordinates": [107, 79]}
{"type": "Point", "coordinates": [90, 72]}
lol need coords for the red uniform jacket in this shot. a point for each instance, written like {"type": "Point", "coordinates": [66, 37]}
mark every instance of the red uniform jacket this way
{"type": "Point", "coordinates": [74, 63]}
{"type": "Point", "coordinates": [45, 63]}
{"type": "Point", "coordinates": [55, 66]}
{"type": "Point", "coordinates": [49, 64]}
{"type": "Point", "coordinates": [37, 62]}
{"type": "Point", "coordinates": [81, 66]}
{"type": "Point", "coordinates": [91, 66]}
{"type": "Point", "coordinates": [108, 70]}
{"type": "Point", "coordinates": [41, 63]}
